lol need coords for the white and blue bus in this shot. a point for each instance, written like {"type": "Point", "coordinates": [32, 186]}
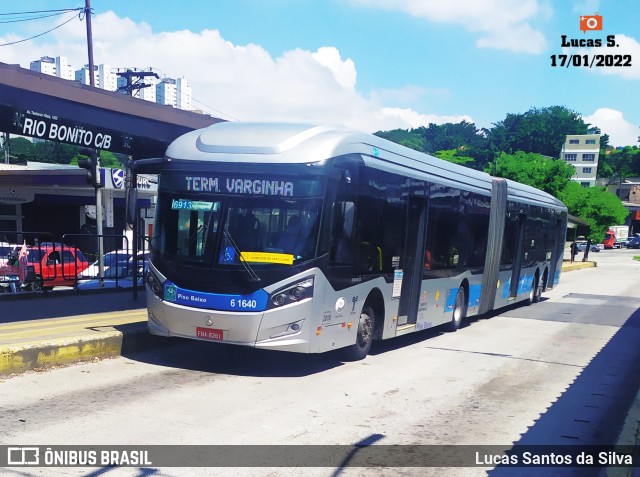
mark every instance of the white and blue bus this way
{"type": "Point", "coordinates": [308, 238]}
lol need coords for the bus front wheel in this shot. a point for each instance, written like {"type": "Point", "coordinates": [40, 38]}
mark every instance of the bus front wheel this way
{"type": "Point", "coordinates": [366, 326]}
{"type": "Point", "coordinates": [459, 310]}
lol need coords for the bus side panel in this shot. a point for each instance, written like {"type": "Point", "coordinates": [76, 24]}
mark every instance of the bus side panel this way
{"type": "Point", "coordinates": [338, 319]}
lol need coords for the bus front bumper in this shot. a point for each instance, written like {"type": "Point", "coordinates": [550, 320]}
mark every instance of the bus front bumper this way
{"type": "Point", "coordinates": [284, 329]}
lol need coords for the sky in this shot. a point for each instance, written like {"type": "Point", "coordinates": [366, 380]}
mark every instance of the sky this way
{"type": "Point", "coordinates": [370, 65]}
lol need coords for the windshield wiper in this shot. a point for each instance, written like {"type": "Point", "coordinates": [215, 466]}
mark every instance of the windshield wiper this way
{"type": "Point", "coordinates": [254, 278]}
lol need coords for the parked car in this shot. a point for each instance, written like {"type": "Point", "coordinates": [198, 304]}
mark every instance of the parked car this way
{"type": "Point", "coordinates": [124, 282]}
{"type": "Point", "coordinates": [115, 264]}
{"type": "Point", "coordinates": [633, 242]}
{"type": "Point", "coordinates": [56, 266]}
{"type": "Point", "coordinates": [9, 280]}
{"type": "Point", "coordinates": [595, 247]}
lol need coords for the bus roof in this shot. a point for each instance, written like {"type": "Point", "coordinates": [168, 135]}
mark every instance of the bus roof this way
{"type": "Point", "coordinates": [299, 143]}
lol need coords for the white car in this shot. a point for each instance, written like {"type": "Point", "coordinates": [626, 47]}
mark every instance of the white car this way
{"type": "Point", "coordinates": [119, 282]}
{"type": "Point", "coordinates": [115, 264]}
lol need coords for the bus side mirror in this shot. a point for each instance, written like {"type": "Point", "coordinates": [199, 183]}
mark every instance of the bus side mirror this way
{"type": "Point", "coordinates": [132, 206]}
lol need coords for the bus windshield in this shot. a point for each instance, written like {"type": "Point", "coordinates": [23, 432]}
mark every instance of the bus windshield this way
{"type": "Point", "coordinates": [223, 231]}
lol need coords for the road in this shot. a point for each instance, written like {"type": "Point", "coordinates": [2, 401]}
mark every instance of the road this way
{"type": "Point", "coordinates": [563, 371]}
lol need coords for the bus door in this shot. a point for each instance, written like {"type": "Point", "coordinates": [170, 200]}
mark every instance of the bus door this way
{"type": "Point", "coordinates": [517, 263]}
{"type": "Point", "coordinates": [558, 248]}
{"type": "Point", "coordinates": [414, 257]}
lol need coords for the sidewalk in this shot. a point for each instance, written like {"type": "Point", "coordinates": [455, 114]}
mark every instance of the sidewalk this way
{"type": "Point", "coordinates": [103, 325]}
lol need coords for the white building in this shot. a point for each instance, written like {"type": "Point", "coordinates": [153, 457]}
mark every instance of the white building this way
{"type": "Point", "coordinates": [166, 92]}
{"type": "Point", "coordinates": [46, 65]}
{"type": "Point", "coordinates": [183, 94]}
{"type": "Point", "coordinates": [58, 66]}
{"type": "Point", "coordinates": [173, 92]}
{"type": "Point", "coordinates": [582, 152]}
{"type": "Point", "coordinates": [82, 75]}
{"type": "Point", "coordinates": [63, 69]}
{"type": "Point", "coordinates": [108, 80]}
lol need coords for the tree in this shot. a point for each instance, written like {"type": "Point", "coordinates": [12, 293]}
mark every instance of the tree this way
{"type": "Point", "coordinates": [549, 175]}
{"type": "Point", "coordinates": [542, 131]}
{"type": "Point", "coordinates": [456, 156]}
{"type": "Point", "coordinates": [619, 163]}
{"type": "Point", "coordinates": [599, 208]}
{"type": "Point", "coordinates": [405, 138]}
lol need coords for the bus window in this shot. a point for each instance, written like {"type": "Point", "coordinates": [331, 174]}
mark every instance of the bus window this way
{"type": "Point", "coordinates": [444, 232]}
{"type": "Point", "coordinates": [510, 238]}
{"type": "Point", "coordinates": [274, 226]}
{"type": "Point", "coordinates": [343, 227]}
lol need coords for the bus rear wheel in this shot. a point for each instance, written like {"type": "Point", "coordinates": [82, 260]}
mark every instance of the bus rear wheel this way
{"type": "Point", "coordinates": [364, 338]}
{"type": "Point", "coordinates": [459, 310]}
{"type": "Point", "coordinates": [534, 293]}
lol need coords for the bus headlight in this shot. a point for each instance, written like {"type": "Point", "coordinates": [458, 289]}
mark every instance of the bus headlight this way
{"type": "Point", "coordinates": [154, 284]}
{"type": "Point", "coordinates": [293, 293]}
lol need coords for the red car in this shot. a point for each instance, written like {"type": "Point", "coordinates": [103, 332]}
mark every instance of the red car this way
{"type": "Point", "coordinates": [56, 265]}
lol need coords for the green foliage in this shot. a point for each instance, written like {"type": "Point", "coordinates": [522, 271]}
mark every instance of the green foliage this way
{"type": "Point", "coordinates": [541, 130]}
{"type": "Point", "coordinates": [408, 139]}
{"type": "Point", "coordinates": [56, 153]}
{"type": "Point", "coordinates": [620, 163]}
{"type": "Point", "coordinates": [549, 175]}
{"type": "Point", "coordinates": [109, 160]}
{"type": "Point", "coordinates": [42, 151]}
{"type": "Point", "coordinates": [599, 208]}
{"type": "Point", "coordinates": [455, 156]}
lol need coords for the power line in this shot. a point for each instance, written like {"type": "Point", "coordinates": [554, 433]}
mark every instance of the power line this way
{"type": "Point", "coordinates": [62, 10]}
{"type": "Point", "coordinates": [18, 20]}
{"type": "Point", "coordinates": [45, 32]}
{"type": "Point", "coordinates": [212, 109]}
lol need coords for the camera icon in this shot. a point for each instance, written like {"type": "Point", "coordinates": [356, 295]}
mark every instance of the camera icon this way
{"type": "Point", "coordinates": [590, 22]}
{"type": "Point", "coordinates": [23, 456]}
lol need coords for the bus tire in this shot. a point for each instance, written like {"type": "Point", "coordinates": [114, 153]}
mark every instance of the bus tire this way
{"type": "Point", "coordinates": [364, 336]}
{"type": "Point", "coordinates": [459, 310]}
{"type": "Point", "coordinates": [534, 293]}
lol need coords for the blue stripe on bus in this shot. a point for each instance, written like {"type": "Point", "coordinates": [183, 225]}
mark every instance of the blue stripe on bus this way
{"type": "Point", "coordinates": [256, 301]}
{"type": "Point", "coordinates": [474, 297]}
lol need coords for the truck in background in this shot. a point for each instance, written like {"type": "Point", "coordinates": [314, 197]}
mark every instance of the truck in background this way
{"type": "Point", "coordinates": [616, 236]}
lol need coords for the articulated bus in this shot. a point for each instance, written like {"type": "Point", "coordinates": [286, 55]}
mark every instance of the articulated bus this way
{"type": "Point", "coordinates": [308, 238]}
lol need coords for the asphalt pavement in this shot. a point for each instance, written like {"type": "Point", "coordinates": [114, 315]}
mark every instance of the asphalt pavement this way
{"type": "Point", "coordinates": [61, 328]}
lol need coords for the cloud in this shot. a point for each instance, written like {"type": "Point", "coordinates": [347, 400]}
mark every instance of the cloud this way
{"type": "Point", "coordinates": [613, 123]}
{"type": "Point", "coordinates": [416, 119]}
{"type": "Point", "coordinates": [501, 24]}
{"type": "Point", "coordinates": [586, 7]}
{"type": "Point", "coordinates": [232, 81]}
{"type": "Point", "coordinates": [625, 54]}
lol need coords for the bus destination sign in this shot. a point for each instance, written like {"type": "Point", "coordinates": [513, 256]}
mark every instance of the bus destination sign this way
{"type": "Point", "coordinates": [233, 185]}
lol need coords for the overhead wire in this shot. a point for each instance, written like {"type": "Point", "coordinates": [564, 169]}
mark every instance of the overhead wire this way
{"type": "Point", "coordinates": [58, 12]}
{"type": "Point", "coordinates": [213, 109]}
{"type": "Point", "coordinates": [75, 11]}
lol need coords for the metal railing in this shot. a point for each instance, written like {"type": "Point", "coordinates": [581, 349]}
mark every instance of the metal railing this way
{"type": "Point", "coordinates": [51, 263]}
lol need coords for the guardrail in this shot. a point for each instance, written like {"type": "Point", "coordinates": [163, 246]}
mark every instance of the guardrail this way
{"type": "Point", "coordinates": [49, 263]}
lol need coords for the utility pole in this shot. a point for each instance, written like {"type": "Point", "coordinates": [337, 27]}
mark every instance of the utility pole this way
{"type": "Point", "coordinates": [5, 146]}
{"type": "Point", "coordinates": [134, 80]}
{"type": "Point", "coordinates": [87, 13]}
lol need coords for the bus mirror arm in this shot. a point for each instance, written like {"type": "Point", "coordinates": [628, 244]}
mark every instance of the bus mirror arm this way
{"type": "Point", "coordinates": [254, 277]}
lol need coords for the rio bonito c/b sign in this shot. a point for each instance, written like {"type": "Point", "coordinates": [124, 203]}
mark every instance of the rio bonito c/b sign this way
{"type": "Point", "coordinates": [48, 127]}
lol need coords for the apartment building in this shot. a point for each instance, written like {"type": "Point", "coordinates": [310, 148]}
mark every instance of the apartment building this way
{"type": "Point", "coordinates": [176, 93]}
{"type": "Point", "coordinates": [582, 152]}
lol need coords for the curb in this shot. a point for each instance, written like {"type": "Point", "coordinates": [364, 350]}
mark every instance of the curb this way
{"type": "Point", "coordinates": [569, 267]}
{"type": "Point", "coordinates": [108, 342]}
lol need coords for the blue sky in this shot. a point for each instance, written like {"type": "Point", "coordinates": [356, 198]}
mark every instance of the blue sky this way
{"type": "Point", "coordinates": [367, 64]}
